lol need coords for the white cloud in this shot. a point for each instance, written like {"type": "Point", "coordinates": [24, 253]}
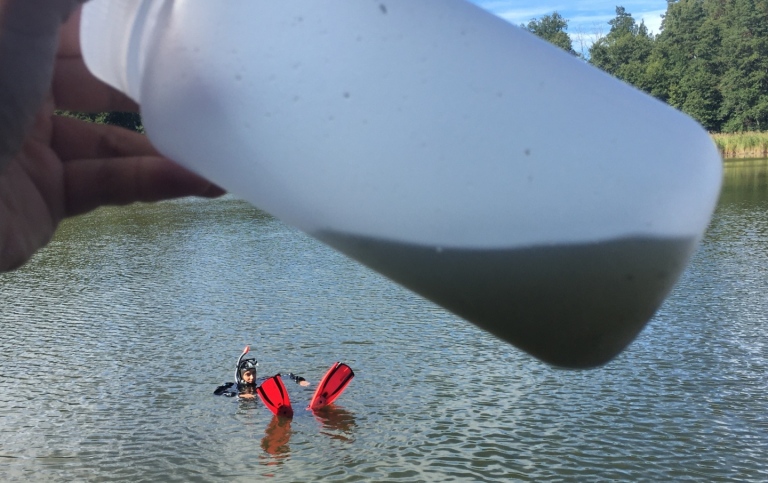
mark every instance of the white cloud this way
{"type": "Point", "coordinates": [587, 19]}
{"type": "Point", "coordinates": [518, 16]}
{"type": "Point", "coordinates": [579, 13]}
{"type": "Point", "coordinates": [652, 19]}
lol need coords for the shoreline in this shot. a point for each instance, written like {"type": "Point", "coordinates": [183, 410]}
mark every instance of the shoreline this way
{"type": "Point", "coordinates": [741, 145]}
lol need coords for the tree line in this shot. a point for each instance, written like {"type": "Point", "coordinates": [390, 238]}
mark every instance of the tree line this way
{"type": "Point", "coordinates": [710, 59]}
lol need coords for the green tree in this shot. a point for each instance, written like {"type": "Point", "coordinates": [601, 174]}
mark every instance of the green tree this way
{"type": "Point", "coordinates": [625, 51]}
{"type": "Point", "coordinates": [690, 62]}
{"type": "Point", "coordinates": [744, 83]}
{"type": "Point", "coordinates": [710, 60]}
{"type": "Point", "coordinates": [128, 120]}
{"type": "Point", "coordinates": [552, 28]}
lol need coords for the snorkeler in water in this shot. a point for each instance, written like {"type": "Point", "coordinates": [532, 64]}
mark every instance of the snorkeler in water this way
{"type": "Point", "coordinates": [245, 376]}
{"type": "Point", "coordinates": [272, 391]}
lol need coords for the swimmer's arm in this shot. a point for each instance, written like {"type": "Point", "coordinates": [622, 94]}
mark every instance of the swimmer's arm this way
{"type": "Point", "coordinates": [224, 390]}
{"type": "Point", "coordinates": [298, 379]}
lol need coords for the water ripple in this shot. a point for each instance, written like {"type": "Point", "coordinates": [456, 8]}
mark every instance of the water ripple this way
{"type": "Point", "coordinates": [115, 336]}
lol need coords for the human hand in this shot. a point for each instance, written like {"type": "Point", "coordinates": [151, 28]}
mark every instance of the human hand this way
{"type": "Point", "coordinates": [53, 167]}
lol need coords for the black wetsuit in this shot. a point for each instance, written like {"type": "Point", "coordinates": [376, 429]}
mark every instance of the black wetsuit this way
{"type": "Point", "coordinates": [230, 389]}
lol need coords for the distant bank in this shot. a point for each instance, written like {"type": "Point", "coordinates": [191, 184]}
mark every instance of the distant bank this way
{"type": "Point", "coordinates": [742, 145]}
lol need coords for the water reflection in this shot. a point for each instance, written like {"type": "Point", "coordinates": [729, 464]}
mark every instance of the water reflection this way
{"type": "Point", "coordinates": [741, 177]}
{"type": "Point", "coordinates": [337, 423]}
{"type": "Point", "coordinates": [276, 438]}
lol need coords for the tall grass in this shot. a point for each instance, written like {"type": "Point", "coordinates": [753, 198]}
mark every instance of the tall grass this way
{"type": "Point", "coordinates": [742, 145]}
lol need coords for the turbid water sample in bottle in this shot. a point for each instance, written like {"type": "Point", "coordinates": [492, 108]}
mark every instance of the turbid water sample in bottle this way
{"type": "Point", "coordinates": [506, 180]}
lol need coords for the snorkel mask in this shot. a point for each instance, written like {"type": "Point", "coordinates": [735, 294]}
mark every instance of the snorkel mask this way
{"type": "Point", "coordinates": [247, 365]}
{"type": "Point", "coordinates": [244, 365]}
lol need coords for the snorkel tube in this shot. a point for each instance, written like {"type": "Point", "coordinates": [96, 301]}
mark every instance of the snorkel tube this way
{"type": "Point", "coordinates": [241, 362]}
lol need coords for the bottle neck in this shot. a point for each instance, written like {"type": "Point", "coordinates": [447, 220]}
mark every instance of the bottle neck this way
{"type": "Point", "coordinates": [114, 37]}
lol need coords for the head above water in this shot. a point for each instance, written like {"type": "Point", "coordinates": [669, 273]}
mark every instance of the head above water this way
{"type": "Point", "coordinates": [246, 370]}
{"type": "Point", "coordinates": [248, 376]}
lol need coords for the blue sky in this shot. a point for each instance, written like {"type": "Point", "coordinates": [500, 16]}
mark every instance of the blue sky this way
{"type": "Point", "coordinates": [587, 18]}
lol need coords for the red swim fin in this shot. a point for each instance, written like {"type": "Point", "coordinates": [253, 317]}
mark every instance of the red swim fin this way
{"type": "Point", "coordinates": [274, 395]}
{"type": "Point", "coordinates": [331, 385]}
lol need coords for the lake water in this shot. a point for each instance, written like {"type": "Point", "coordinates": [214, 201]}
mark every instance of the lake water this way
{"type": "Point", "coordinates": [113, 338]}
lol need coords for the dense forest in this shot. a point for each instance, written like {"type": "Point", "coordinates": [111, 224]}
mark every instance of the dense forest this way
{"type": "Point", "coordinates": [128, 120]}
{"type": "Point", "coordinates": [710, 59]}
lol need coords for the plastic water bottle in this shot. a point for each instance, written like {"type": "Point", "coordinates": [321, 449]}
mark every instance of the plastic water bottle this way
{"type": "Point", "coordinates": [462, 157]}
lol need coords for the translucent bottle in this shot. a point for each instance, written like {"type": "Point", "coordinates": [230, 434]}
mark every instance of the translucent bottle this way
{"type": "Point", "coordinates": [461, 156]}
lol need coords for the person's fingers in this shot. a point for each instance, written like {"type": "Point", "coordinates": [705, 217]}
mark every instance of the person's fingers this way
{"type": "Point", "coordinates": [74, 87]}
{"type": "Point", "coordinates": [109, 165]}
{"type": "Point", "coordinates": [76, 139]}
{"type": "Point", "coordinates": [90, 183]}
{"type": "Point", "coordinates": [28, 39]}
{"type": "Point", "coordinates": [36, 18]}
{"type": "Point", "coordinates": [69, 36]}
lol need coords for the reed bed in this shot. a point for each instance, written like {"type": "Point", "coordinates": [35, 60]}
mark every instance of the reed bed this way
{"type": "Point", "coordinates": [742, 145]}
